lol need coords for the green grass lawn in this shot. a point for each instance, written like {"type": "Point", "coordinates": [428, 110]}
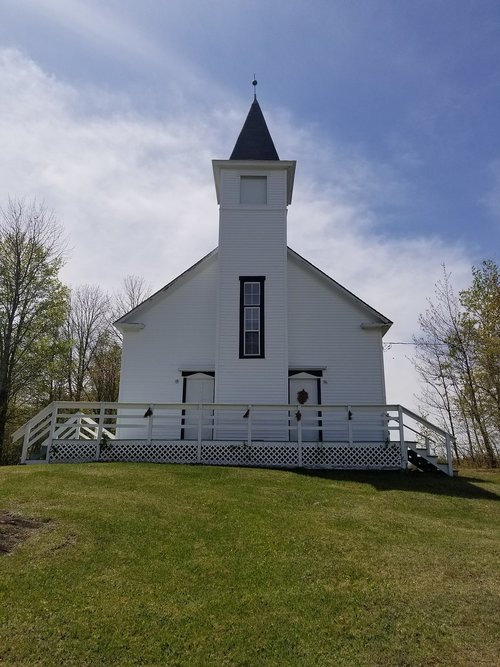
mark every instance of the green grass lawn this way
{"type": "Point", "coordinates": [189, 565]}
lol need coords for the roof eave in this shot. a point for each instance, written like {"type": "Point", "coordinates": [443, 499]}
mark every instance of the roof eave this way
{"type": "Point", "coordinates": [124, 319]}
{"type": "Point", "coordinates": [384, 323]}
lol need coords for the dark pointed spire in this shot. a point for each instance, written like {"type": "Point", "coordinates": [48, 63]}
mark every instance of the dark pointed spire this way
{"type": "Point", "coordinates": [254, 141]}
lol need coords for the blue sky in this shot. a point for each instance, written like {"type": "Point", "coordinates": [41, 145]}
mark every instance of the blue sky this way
{"type": "Point", "coordinates": [111, 111]}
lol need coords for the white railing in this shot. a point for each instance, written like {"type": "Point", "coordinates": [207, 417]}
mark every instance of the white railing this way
{"type": "Point", "coordinates": [198, 423]}
{"type": "Point", "coordinates": [430, 440]}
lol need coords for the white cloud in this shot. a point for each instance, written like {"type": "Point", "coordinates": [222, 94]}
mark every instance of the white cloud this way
{"type": "Point", "coordinates": [136, 196]}
{"type": "Point", "coordinates": [132, 193]}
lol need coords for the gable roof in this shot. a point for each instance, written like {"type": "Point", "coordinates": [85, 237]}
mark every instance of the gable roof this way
{"type": "Point", "coordinates": [254, 141]}
{"type": "Point", "coordinates": [383, 321]}
{"type": "Point", "coordinates": [125, 319]}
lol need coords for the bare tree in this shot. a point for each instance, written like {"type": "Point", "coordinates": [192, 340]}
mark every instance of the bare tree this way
{"type": "Point", "coordinates": [97, 349]}
{"type": "Point", "coordinates": [104, 370]}
{"type": "Point", "coordinates": [133, 292]}
{"type": "Point", "coordinates": [432, 360]}
{"type": "Point", "coordinates": [448, 361]}
{"type": "Point", "coordinates": [32, 299]}
{"type": "Point", "coordinates": [88, 323]}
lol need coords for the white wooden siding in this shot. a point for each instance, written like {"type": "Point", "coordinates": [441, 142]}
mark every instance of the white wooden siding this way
{"type": "Point", "coordinates": [308, 322]}
{"type": "Point", "coordinates": [179, 333]}
{"type": "Point", "coordinates": [324, 331]}
{"type": "Point", "coordinates": [252, 242]}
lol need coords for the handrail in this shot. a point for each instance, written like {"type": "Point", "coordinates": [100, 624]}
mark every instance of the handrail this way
{"type": "Point", "coordinates": [352, 424]}
{"type": "Point", "coordinates": [236, 406]}
{"type": "Point", "coordinates": [424, 422]}
{"type": "Point", "coordinates": [22, 429]}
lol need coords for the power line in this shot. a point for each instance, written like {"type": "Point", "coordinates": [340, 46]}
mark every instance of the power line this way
{"type": "Point", "coordinates": [419, 344]}
{"type": "Point", "coordinates": [388, 344]}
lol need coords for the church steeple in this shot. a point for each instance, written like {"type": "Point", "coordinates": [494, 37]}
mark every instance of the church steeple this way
{"type": "Point", "coordinates": [254, 141]}
{"type": "Point", "coordinates": [254, 188]}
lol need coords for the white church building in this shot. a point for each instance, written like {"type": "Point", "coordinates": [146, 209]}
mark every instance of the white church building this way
{"type": "Point", "coordinates": [253, 356]}
{"type": "Point", "coordinates": [253, 321]}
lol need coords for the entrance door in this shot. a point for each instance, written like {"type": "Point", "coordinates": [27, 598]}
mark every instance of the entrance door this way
{"type": "Point", "coordinates": [198, 388]}
{"type": "Point", "coordinates": [311, 421]}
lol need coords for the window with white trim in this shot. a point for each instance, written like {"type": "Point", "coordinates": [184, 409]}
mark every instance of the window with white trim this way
{"type": "Point", "coordinates": [252, 317]}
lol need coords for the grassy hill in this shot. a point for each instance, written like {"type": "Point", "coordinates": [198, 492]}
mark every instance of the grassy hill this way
{"type": "Point", "coordinates": [176, 565]}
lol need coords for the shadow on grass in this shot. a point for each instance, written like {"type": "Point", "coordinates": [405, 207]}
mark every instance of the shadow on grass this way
{"type": "Point", "coordinates": [414, 481]}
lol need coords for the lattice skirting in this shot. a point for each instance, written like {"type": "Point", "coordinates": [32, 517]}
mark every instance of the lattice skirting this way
{"type": "Point", "coordinates": [358, 455]}
{"type": "Point", "coordinates": [268, 454]}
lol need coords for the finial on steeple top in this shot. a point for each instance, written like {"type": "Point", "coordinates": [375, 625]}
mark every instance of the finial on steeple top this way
{"type": "Point", "coordinates": [254, 84]}
{"type": "Point", "coordinates": [254, 141]}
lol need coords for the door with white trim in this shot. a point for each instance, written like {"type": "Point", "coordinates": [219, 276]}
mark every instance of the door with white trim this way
{"type": "Point", "coordinates": [198, 388]}
{"type": "Point", "coordinates": [304, 387]}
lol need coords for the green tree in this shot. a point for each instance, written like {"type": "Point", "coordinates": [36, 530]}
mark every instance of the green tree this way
{"type": "Point", "coordinates": [432, 358]}
{"type": "Point", "coordinates": [481, 321]}
{"type": "Point", "coordinates": [458, 359]}
{"type": "Point", "coordinates": [32, 301]}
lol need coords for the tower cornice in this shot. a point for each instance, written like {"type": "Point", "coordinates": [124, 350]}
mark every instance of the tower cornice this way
{"type": "Point", "coordinates": [249, 166]}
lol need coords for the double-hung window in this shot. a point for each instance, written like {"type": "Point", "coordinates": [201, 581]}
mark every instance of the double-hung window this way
{"type": "Point", "coordinates": [251, 317]}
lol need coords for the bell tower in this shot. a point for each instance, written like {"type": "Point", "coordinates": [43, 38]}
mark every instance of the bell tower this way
{"type": "Point", "coordinates": [254, 188]}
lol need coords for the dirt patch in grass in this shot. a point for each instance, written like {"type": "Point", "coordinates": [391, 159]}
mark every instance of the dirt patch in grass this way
{"type": "Point", "coordinates": [16, 529]}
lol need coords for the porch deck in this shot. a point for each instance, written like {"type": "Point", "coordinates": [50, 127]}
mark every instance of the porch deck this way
{"type": "Point", "coordinates": [309, 436]}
